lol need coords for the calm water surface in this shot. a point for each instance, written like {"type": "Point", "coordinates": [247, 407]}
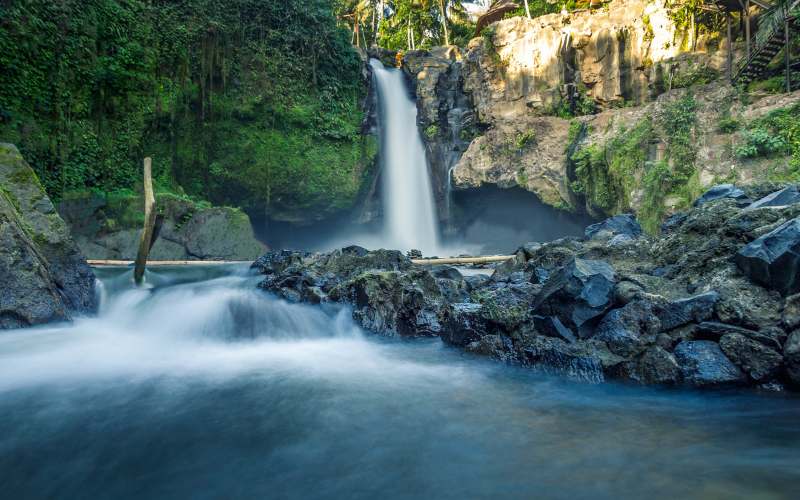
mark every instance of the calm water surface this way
{"type": "Point", "coordinates": [204, 387]}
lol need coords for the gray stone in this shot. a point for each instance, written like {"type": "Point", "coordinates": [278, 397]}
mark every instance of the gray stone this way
{"type": "Point", "coordinates": [43, 275]}
{"type": "Point", "coordinates": [791, 352]}
{"type": "Point", "coordinates": [756, 359]}
{"type": "Point", "coordinates": [690, 310]}
{"type": "Point", "coordinates": [785, 197]}
{"type": "Point", "coordinates": [579, 294]}
{"type": "Point", "coordinates": [657, 366]}
{"type": "Point", "coordinates": [622, 329]}
{"type": "Point", "coordinates": [722, 191]}
{"type": "Point", "coordinates": [618, 225]}
{"type": "Point", "coordinates": [556, 357]}
{"type": "Point", "coordinates": [551, 326]}
{"type": "Point", "coordinates": [773, 260]}
{"type": "Point", "coordinates": [703, 364]}
{"type": "Point", "coordinates": [464, 323]}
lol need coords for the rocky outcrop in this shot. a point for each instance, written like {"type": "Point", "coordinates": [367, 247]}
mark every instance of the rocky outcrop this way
{"type": "Point", "coordinates": [617, 304]}
{"type": "Point", "coordinates": [107, 227]}
{"type": "Point", "coordinates": [498, 112]}
{"type": "Point", "coordinates": [43, 274]}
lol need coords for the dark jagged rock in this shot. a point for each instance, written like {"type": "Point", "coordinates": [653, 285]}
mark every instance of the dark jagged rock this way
{"type": "Point", "coordinates": [756, 359]}
{"type": "Point", "coordinates": [551, 326]}
{"type": "Point", "coordinates": [657, 366]}
{"type": "Point", "coordinates": [773, 260]}
{"type": "Point", "coordinates": [556, 357]}
{"type": "Point", "coordinates": [624, 225]}
{"type": "Point", "coordinates": [684, 311]}
{"type": "Point", "coordinates": [623, 329]}
{"type": "Point", "coordinates": [722, 191]}
{"type": "Point", "coordinates": [712, 330]}
{"type": "Point", "coordinates": [464, 323]}
{"type": "Point", "coordinates": [446, 272]}
{"type": "Point", "coordinates": [785, 197]}
{"type": "Point", "coordinates": [703, 364]}
{"type": "Point", "coordinates": [578, 294]}
{"type": "Point", "coordinates": [476, 281]}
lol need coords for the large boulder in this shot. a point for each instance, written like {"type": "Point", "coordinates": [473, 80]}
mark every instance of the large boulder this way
{"type": "Point", "coordinates": [756, 359]}
{"type": "Point", "coordinates": [624, 224]}
{"type": "Point", "coordinates": [703, 364]}
{"type": "Point", "coordinates": [108, 226]}
{"type": "Point", "coordinates": [722, 191]}
{"type": "Point", "coordinates": [785, 197]}
{"type": "Point", "coordinates": [624, 329]}
{"type": "Point", "coordinates": [773, 260]}
{"type": "Point", "coordinates": [43, 274]}
{"type": "Point", "coordinates": [557, 357]}
{"type": "Point", "coordinates": [464, 323]}
{"type": "Point", "coordinates": [578, 294]}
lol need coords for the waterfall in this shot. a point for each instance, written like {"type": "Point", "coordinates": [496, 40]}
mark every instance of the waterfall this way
{"type": "Point", "coordinates": [408, 206]}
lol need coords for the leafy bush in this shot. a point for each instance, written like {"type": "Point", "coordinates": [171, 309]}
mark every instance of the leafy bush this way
{"type": "Point", "coordinates": [758, 142]}
{"type": "Point", "coordinates": [728, 125]}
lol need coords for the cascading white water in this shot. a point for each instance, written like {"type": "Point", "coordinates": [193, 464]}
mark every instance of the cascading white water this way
{"type": "Point", "coordinates": [409, 210]}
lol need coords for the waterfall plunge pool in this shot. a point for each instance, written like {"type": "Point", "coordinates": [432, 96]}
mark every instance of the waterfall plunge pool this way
{"type": "Point", "coordinates": [205, 387]}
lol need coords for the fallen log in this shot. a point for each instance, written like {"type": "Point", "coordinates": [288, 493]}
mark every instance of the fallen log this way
{"type": "Point", "coordinates": [462, 260]}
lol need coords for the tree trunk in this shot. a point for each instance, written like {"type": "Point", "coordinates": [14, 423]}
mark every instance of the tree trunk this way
{"type": "Point", "coordinates": [444, 22]}
{"type": "Point", "coordinates": [145, 240]}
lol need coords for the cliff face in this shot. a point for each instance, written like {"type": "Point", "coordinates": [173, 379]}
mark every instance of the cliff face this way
{"type": "Point", "coordinates": [528, 97]}
{"type": "Point", "coordinates": [43, 274]}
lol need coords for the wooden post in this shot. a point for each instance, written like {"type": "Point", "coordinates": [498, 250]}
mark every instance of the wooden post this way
{"type": "Point", "coordinates": [145, 240]}
{"type": "Point", "coordinates": [730, 47]}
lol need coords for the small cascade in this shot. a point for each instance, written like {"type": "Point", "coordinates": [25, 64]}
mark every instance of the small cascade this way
{"type": "Point", "coordinates": [408, 206]}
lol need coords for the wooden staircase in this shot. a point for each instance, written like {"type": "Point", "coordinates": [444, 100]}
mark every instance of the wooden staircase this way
{"type": "Point", "coordinates": [769, 40]}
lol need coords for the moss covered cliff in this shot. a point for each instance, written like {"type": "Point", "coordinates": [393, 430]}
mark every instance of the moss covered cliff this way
{"type": "Point", "coordinates": [253, 103]}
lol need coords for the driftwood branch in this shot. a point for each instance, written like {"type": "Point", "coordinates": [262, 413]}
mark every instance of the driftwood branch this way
{"type": "Point", "coordinates": [462, 260]}
{"type": "Point", "coordinates": [146, 238]}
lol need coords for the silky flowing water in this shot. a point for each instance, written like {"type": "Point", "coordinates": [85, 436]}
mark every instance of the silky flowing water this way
{"type": "Point", "coordinates": [205, 387]}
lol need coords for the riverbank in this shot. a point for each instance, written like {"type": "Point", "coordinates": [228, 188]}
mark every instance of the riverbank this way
{"type": "Point", "coordinates": [703, 304]}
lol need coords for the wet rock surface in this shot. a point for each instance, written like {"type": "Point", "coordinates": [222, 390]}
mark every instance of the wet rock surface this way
{"type": "Point", "coordinates": [672, 309]}
{"type": "Point", "coordinates": [43, 275]}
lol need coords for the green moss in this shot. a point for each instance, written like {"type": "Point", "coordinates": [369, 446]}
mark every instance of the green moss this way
{"type": "Point", "coordinates": [522, 139]}
{"type": "Point", "coordinates": [431, 131]}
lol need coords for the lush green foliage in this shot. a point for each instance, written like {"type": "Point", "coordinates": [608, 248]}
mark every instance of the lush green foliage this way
{"type": "Point", "coordinates": [776, 134]}
{"type": "Point", "coordinates": [248, 102]}
{"type": "Point", "coordinates": [606, 175]}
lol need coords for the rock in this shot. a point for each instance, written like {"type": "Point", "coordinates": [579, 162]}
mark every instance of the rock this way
{"type": "Point", "coordinates": [44, 276]}
{"type": "Point", "coordinates": [623, 329]}
{"type": "Point", "coordinates": [657, 366]}
{"type": "Point", "coordinates": [626, 291]}
{"type": "Point", "coordinates": [773, 260]}
{"type": "Point", "coordinates": [414, 254]}
{"type": "Point", "coordinates": [693, 309]}
{"type": "Point", "coordinates": [703, 364]}
{"type": "Point", "coordinates": [476, 281]}
{"type": "Point", "coordinates": [108, 228]}
{"type": "Point", "coordinates": [790, 317]}
{"type": "Point", "coordinates": [556, 357]}
{"type": "Point", "coordinates": [220, 233]}
{"type": "Point", "coordinates": [551, 326]}
{"type": "Point", "coordinates": [757, 360]}
{"type": "Point", "coordinates": [722, 191]}
{"type": "Point", "coordinates": [785, 197]}
{"type": "Point", "coordinates": [579, 294]}
{"type": "Point", "coordinates": [619, 225]}
{"type": "Point", "coordinates": [464, 323]}
{"type": "Point", "coordinates": [712, 330]}
{"type": "Point", "coordinates": [791, 352]}
{"type": "Point", "coordinates": [446, 272]}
